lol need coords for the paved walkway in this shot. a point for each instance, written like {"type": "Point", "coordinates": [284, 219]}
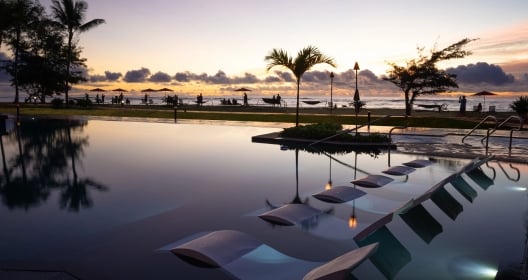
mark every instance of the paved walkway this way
{"type": "Point", "coordinates": [448, 142]}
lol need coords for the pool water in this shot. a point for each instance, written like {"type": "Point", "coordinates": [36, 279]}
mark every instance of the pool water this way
{"type": "Point", "coordinates": [108, 199]}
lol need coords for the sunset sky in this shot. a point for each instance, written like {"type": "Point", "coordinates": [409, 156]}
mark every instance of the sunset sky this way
{"type": "Point", "coordinates": [215, 46]}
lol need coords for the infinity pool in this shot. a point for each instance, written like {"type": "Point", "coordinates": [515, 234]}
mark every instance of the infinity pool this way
{"type": "Point", "coordinates": [109, 199]}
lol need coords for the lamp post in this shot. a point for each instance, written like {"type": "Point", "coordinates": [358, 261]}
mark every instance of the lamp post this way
{"type": "Point", "coordinates": [331, 99]}
{"type": "Point", "coordinates": [357, 102]}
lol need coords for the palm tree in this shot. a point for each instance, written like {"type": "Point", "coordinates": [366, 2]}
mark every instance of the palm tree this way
{"type": "Point", "coordinates": [70, 15]}
{"type": "Point", "coordinates": [305, 60]}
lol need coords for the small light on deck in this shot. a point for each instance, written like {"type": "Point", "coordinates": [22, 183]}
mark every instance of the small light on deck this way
{"type": "Point", "coordinates": [352, 221]}
{"type": "Point", "coordinates": [328, 185]}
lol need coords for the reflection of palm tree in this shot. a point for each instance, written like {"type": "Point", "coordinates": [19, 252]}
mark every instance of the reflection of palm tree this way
{"type": "Point", "coordinates": [70, 14]}
{"type": "Point", "coordinates": [75, 196]}
{"type": "Point", "coordinates": [305, 60]}
{"type": "Point", "coordinates": [299, 205]}
{"type": "Point", "coordinates": [19, 191]}
{"type": "Point", "coordinates": [297, 198]}
{"type": "Point", "coordinates": [45, 150]}
{"type": "Point", "coordinates": [75, 193]}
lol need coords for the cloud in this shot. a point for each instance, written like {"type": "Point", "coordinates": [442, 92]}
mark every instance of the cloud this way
{"type": "Point", "coordinates": [160, 77]}
{"type": "Point", "coordinates": [97, 78]}
{"type": "Point", "coordinates": [219, 78]}
{"type": "Point", "coordinates": [316, 77]}
{"type": "Point", "coordinates": [108, 76]}
{"type": "Point", "coordinates": [272, 79]}
{"type": "Point", "coordinates": [285, 76]}
{"type": "Point", "coordinates": [183, 77]}
{"type": "Point", "coordinates": [112, 76]}
{"type": "Point", "coordinates": [248, 78]}
{"type": "Point", "coordinates": [481, 72]}
{"type": "Point", "coordinates": [137, 76]}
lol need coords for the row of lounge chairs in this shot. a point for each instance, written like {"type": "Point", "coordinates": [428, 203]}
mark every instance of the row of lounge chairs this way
{"type": "Point", "coordinates": [230, 249]}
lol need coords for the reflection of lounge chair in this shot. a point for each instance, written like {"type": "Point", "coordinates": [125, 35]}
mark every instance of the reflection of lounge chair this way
{"type": "Point", "coordinates": [391, 255]}
{"type": "Point", "coordinates": [464, 188]}
{"type": "Point", "coordinates": [480, 178]}
{"type": "Point", "coordinates": [447, 203]}
{"type": "Point", "coordinates": [422, 223]}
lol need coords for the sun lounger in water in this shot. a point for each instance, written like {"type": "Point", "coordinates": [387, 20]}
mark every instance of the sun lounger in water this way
{"type": "Point", "coordinates": [418, 163]}
{"type": "Point", "coordinates": [224, 248]}
{"type": "Point", "coordinates": [372, 181]}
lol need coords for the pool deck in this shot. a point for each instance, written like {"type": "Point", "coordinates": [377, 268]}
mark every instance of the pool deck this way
{"type": "Point", "coordinates": [445, 142]}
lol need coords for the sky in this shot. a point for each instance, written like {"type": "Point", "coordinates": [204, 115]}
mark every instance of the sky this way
{"type": "Point", "coordinates": [216, 46]}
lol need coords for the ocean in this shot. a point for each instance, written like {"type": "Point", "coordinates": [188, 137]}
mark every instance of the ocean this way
{"type": "Point", "coordinates": [501, 103]}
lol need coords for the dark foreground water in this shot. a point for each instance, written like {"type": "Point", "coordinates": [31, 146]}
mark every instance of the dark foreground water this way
{"type": "Point", "coordinates": [107, 200]}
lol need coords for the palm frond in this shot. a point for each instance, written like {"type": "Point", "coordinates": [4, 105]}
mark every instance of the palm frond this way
{"type": "Point", "coordinates": [91, 24]}
{"type": "Point", "coordinates": [278, 57]}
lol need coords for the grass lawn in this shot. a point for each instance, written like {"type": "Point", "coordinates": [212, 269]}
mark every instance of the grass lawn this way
{"type": "Point", "coordinates": [345, 116]}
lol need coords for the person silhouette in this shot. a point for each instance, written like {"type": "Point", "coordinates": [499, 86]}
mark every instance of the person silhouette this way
{"type": "Point", "coordinates": [462, 100]}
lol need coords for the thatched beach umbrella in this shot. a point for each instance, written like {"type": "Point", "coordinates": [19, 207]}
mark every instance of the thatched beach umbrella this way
{"type": "Point", "coordinates": [119, 90]}
{"type": "Point", "coordinates": [242, 89]}
{"type": "Point", "coordinates": [146, 91]}
{"type": "Point", "coordinates": [165, 89]}
{"type": "Point", "coordinates": [98, 90]}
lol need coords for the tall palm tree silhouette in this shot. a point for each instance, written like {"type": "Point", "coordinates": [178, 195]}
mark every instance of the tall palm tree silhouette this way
{"type": "Point", "coordinates": [70, 14]}
{"type": "Point", "coordinates": [305, 60]}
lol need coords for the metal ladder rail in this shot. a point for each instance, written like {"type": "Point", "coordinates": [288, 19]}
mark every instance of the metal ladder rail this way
{"type": "Point", "coordinates": [478, 125]}
{"type": "Point", "coordinates": [502, 124]}
{"type": "Point", "coordinates": [348, 130]}
{"type": "Point", "coordinates": [508, 175]}
{"type": "Point", "coordinates": [390, 138]}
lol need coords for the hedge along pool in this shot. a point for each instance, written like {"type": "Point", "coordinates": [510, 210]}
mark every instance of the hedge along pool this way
{"type": "Point", "coordinates": [108, 199]}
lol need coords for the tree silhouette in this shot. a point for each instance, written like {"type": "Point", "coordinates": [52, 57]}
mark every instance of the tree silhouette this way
{"type": "Point", "coordinates": [18, 19]}
{"type": "Point", "coordinates": [70, 14]}
{"type": "Point", "coordinates": [420, 76]}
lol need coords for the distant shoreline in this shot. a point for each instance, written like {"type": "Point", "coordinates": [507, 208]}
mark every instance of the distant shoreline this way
{"type": "Point", "coordinates": [419, 118]}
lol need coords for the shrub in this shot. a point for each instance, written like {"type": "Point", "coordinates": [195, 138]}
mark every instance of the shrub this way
{"type": "Point", "coordinates": [520, 106]}
{"type": "Point", "coordinates": [57, 102]}
{"type": "Point", "coordinates": [323, 130]}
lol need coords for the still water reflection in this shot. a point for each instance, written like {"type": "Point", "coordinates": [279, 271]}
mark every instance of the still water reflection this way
{"type": "Point", "coordinates": [41, 159]}
{"type": "Point", "coordinates": [100, 198]}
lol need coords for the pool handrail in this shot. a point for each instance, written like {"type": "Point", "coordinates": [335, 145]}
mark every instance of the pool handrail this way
{"type": "Point", "coordinates": [490, 132]}
{"type": "Point", "coordinates": [478, 125]}
{"type": "Point", "coordinates": [390, 139]}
